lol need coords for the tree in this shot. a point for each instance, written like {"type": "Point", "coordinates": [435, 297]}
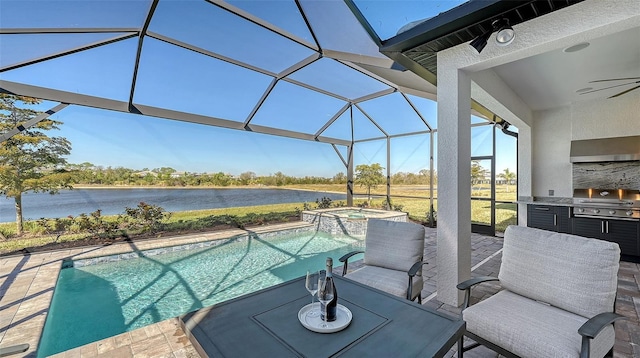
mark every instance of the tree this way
{"type": "Point", "coordinates": [222, 179]}
{"type": "Point", "coordinates": [425, 175]}
{"type": "Point", "coordinates": [339, 178]}
{"type": "Point", "coordinates": [247, 178]}
{"type": "Point", "coordinates": [164, 173]}
{"type": "Point", "coordinates": [281, 179]}
{"type": "Point", "coordinates": [370, 176]}
{"type": "Point", "coordinates": [508, 177]}
{"type": "Point", "coordinates": [478, 173]}
{"type": "Point", "coordinates": [30, 160]}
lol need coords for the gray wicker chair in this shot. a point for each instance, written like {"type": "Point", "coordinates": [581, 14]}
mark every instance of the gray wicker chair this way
{"type": "Point", "coordinates": [557, 298]}
{"type": "Point", "coordinates": [392, 258]}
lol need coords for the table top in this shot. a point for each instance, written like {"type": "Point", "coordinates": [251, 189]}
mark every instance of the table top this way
{"type": "Point", "coordinates": [265, 323]}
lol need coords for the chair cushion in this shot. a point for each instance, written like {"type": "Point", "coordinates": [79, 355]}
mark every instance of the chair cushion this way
{"type": "Point", "coordinates": [391, 281]}
{"type": "Point", "coordinates": [532, 329]}
{"type": "Point", "coordinates": [566, 271]}
{"type": "Point", "coordinates": [392, 244]}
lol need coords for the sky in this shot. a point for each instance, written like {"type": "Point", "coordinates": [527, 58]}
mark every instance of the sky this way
{"type": "Point", "coordinates": [115, 139]}
{"type": "Point", "coordinates": [108, 138]}
{"type": "Point", "coordinates": [174, 78]}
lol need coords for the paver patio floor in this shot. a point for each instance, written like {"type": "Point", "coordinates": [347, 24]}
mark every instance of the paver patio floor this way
{"type": "Point", "coordinates": [27, 284]}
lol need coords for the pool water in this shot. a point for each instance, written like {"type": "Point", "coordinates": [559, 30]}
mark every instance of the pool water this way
{"type": "Point", "coordinates": [99, 301]}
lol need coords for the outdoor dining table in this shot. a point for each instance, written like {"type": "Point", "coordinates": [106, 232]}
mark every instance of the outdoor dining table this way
{"type": "Point", "coordinates": [265, 323]}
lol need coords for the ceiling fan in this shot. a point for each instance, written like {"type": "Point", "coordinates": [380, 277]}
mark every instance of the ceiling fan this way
{"type": "Point", "coordinates": [618, 85]}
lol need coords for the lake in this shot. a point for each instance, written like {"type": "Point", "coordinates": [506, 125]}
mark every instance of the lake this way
{"type": "Point", "coordinates": [113, 201]}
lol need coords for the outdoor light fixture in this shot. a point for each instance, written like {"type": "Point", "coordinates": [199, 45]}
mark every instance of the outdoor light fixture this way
{"type": "Point", "coordinates": [504, 36]}
{"type": "Point", "coordinates": [505, 33]}
{"type": "Point", "coordinates": [481, 41]}
{"type": "Point", "coordinates": [504, 127]}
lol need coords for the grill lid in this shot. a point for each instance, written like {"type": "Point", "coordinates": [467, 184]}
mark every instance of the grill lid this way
{"type": "Point", "coordinates": [612, 198]}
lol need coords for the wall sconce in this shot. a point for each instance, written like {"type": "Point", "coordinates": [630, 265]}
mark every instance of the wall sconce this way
{"type": "Point", "coordinates": [504, 35]}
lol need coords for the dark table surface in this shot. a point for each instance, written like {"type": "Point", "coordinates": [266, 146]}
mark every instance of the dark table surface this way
{"type": "Point", "coordinates": [265, 324]}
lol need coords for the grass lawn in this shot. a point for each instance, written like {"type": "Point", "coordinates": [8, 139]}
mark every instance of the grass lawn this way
{"type": "Point", "coordinates": [414, 200]}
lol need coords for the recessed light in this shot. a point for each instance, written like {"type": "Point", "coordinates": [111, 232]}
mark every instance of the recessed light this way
{"type": "Point", "coordinates": [576, 48]}
{"type": "Point", "coordinates": [584, 89]}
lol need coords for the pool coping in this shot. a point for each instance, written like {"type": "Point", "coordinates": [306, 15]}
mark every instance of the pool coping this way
{"type": "Point", "coordinates": [331, 211]}
{"type": "Point", "coordinates": [127, 251]}
{"type": "Point", "coordinates": [28, 284]}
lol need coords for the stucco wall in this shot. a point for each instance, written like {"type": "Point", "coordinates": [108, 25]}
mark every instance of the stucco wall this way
{"type": "Point", "coordinates": [616, 117]}
{"type": "Point", "coordinates": [553, 130]}
{"type": "Point", "coordinates": [551, 169]}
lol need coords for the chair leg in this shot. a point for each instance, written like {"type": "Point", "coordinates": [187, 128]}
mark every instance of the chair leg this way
{"type": "Point", "coordinates": [461, 347]}
{"type": "Point", "coordinates": [609, 353]}
{"type": "Point", "coordinates": [420, 298]}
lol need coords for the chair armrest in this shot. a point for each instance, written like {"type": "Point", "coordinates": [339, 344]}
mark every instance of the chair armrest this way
{"type": "Point", "coordinates": [465, 285]}
{"type": "Point", "coordinates": [592, 327]}
{"type": "Point", "coordinates": [597, 323]}
{"type": "Point", "coordinates": [346, 258]}
{"type": "Point", "coordinates": [468, 284]}
{"type": "Point", "coordinates": [412, 272]}
{"type": "Point", "coordinates": [415, 268]}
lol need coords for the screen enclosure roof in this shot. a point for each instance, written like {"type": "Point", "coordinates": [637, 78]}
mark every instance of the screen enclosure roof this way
{"type": "Point", "coordinates": [301, 69]}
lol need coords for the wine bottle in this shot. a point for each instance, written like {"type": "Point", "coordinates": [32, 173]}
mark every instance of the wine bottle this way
{"type": "Point", "coordinates": [333, 304]}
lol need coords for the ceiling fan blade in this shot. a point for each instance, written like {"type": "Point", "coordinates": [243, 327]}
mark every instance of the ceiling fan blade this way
{"type": "Point", "coordinates": [602, 89]}
{"type": "Point", "coordinates": [616, 79]}
{"type": "Point", "coordinates": [623, 92]}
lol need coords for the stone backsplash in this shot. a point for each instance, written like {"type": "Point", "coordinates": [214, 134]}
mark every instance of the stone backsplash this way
{"type": "Point", "coordinates": [607, 175]}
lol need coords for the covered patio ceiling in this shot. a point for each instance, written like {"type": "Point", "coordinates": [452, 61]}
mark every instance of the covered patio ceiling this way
{"type": "Point", "coordinates": [599, 66]}
{"type": "Point", "coordinates": [298, 69]}
{"type": "Point", "coordinates": [537, 82]}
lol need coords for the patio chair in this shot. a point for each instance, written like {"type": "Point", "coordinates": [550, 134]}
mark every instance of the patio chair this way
{"type": "Point", "coordinates": [392, 258]}
{"type": "Point", "coordinates": [557, 298]}
{"type": "Point", "coordinates": [8, 351]}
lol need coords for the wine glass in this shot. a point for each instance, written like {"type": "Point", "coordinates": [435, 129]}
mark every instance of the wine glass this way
{"type": "Point", "coordinates": [311, 285]}
{"type": "Point", "coordinates": [325, 294]}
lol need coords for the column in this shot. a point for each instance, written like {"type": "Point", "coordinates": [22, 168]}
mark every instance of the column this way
{"type": "Point", "coordinates": [454, 182]}
{"type": "Point", "coordinates": [525, 189]}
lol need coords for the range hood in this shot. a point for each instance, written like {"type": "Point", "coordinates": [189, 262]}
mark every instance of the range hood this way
{"type": "Point", "coordinates": [605, 150]}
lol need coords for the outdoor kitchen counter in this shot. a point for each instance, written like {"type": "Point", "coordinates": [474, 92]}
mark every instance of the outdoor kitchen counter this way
{"type": "Point", "coordinates": [539, 200]}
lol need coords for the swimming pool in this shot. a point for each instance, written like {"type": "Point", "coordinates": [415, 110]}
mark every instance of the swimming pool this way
{"type": "Point", "coordinates": [98, 301]}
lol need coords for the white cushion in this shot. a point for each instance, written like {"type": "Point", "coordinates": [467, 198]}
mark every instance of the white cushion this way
{"type": "Point", "coordinates": [531, 329]}
{"type": "Point", "coordinates": [393, 244]}
{"type": "Point", "coordinates": [391, 281]}
{"type": "Point", "coordinates": [567, 271]}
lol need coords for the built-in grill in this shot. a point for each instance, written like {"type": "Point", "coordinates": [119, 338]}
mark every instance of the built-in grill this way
{"type": "Point", "coordinates": [607, 203]}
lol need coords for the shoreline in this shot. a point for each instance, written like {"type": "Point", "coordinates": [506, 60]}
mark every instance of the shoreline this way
{"type": "Point", "coordinates": [124, 187]}
{"type": "Point", "coordinates": [167, 187]}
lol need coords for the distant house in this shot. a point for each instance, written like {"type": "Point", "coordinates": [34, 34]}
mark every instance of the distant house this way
{"type": "Point", "coordinates": [144, 173]}
{"type": "Point", "coordinates": [178, 174]}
